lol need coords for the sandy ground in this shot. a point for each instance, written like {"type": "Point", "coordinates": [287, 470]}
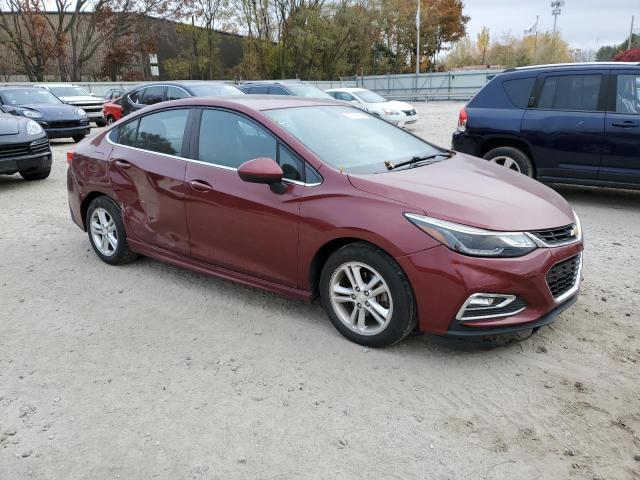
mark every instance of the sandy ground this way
{"type": "Point", "coordinates": [149, 371]}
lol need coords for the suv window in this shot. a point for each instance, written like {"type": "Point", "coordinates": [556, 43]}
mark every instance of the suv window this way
{"type": "Point", "coordinates": [570, 92]}
{"type": "Point", "coordinates": [161, 132]}
{"type": "Point", "coordinates": [519, 91]}
{"type": "Point", "coordinates": [176, 93]}
{"type": "Point", "coordinates": [135, 97]}
{"type": "Point", "coordinates": [229, 139]}
{"type": "Point", "coordinates": [152, 95]}
{"type": "Point", "coordinates": [628, 94]}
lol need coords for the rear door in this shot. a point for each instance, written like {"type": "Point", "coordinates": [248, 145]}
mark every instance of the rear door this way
{"type": "Point", "coordinates": [565, 124]}
{"type": "Point", "coordinates": [147, 169]}
{"type": "Point", "coordinates": [621, 162]}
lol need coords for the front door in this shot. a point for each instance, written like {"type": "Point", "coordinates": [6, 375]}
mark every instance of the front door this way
{"type": "Point", "coordinates": [242, 226]}
{"type": "Point", "coordinates": [621, 162]}
{"type": "Point", "coordinates": [565, 127]}
{"type": "Point", "coordinates": [147, 175]}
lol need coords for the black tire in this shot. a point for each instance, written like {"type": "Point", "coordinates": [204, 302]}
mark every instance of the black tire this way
{"type": "Point", "coordinates": [110, 119]}
{"type": "Point", "coordinates": [403, 316]}
{"type": "Point", "coordinates": [521, 159]}
{"type": "Point", "coordinates": [122, 253]}
{"type": "Point", "coordinates": [101, 123]}
{"type": "Point", "coordinates": [78, 138]}
{"type": "Point", "coordinates": [35, 174]}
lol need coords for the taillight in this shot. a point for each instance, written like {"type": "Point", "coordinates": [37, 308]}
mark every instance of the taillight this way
{"type": "Point", "coordinates": [69, 156]}
{"type": "Point", "coordinates": [462, 120]}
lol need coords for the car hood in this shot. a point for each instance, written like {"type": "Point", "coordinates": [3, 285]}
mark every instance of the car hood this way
{"type": "Point", "coordinates": [9, 125]}
{"type": "Point", "coordinates": [472, 192]}
{"type": "Point", "coordinates": [50, 111]}
{"type": "Point", "coordinates": [391, 104]}
{"type": "Point", "coordinates": [85, 100]}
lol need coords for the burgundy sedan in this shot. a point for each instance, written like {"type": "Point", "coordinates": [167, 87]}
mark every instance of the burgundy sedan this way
{"type": "Point", "coordinates": [313, 198]}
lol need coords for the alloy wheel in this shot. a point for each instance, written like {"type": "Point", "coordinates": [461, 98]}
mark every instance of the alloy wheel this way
{"type": "Point", "coordinates": [361, 298]}
{"type": "Point", "coordinates": [507, 162]}
{"type": "Point", "coordinates": [103, 232]}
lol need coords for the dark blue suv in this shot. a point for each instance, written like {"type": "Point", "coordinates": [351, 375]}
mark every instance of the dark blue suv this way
{"type": "Point", "coordinates": [573, 123]}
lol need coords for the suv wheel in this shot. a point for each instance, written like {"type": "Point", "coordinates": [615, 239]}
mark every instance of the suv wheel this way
{"type": "Point", "coordinates": [512, 158]}
{"type": "Point", "coordinates": [35, 174]}
{"type": "Point", "coordinates": [367, 296]}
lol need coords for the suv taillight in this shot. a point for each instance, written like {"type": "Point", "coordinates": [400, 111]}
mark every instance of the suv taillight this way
{"type": "Point", "coordinates": [69, 156]}
{"type": "Point", "coordinates": [462, 120]}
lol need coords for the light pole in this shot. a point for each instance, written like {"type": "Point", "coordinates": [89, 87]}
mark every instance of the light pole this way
{"type": "Point", "coordinates": [418, 39]}
{"type": "Point", "coordinates": [556, 9]}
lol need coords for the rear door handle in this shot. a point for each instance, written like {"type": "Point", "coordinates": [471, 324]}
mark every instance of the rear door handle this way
{"type": "Point", "coordinates": [122, 164]}
{"type": "Point", "coordinates": [200, 186]}
{"type": "Point", "coordinates": [627, 124]}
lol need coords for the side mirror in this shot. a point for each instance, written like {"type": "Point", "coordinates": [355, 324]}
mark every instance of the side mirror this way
{"type": "Point", "coordinates": [263, 170]}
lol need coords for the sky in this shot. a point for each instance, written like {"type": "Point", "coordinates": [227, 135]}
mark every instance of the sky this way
{"type": "Point", "coordinates": [585, 24]}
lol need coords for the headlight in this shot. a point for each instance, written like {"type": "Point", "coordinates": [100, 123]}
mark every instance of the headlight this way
{"type": "Point", "coordinates": [31, 114]}
{"type": "Point", "coordinates": [578, 227]}
{"type": "Point", "coordinates": [33, 128]}
{"type": "Point", "coordinates": [81, 112]}
{"type": "Point", "coordinates": [390, 112]}
{"type": "Point", "coordinates": [472, 241]}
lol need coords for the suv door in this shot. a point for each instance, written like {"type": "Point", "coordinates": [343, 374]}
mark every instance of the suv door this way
{"type": "Point", "coordinates": [234, 224]}
{"type": "Point", "coordinates": [146, 169]}
{"type": "Point", "coordinates": [621, 162]}
{"type": "Point", "coordinates": [565, 124]}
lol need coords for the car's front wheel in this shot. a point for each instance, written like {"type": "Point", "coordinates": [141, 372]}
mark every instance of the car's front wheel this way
{"type": "Point", "coordinates": [40, 174]}
{"type": "Point", "coordinates": [101, 123]}
{"type": "Point", "coordinates": [110, 119]}
{"type": "Point", "coordinates": [106, 232]}
{"type": "Point", "coordinates": [367, 296]}
{"type": "Point", "coordinates": [511, 158]}
{"type": "Point", "coordinates": [78, 138]}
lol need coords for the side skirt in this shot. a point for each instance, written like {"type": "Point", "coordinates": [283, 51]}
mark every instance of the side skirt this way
{"type": "Point", "coordinates": [207, 269]}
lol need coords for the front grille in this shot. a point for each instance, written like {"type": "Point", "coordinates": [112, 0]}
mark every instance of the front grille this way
{"type": "Point", "coordinates": [65, 124]}
{"type": "Point", "coordinates": [512, 308]}
{"type": "Point", "coordinates": [24, 150]}
{"type": "Point", "coordinates": [409, 113]}
{"type": "Point", "coordinates": [563, 276]}
{"type": "Point", "coordinates": [557, 235]}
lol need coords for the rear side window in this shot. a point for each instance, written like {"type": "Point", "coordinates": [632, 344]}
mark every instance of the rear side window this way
{"type": "Point", "coordinates": [570, 92]}
{"type": "Point", "coordinates": [260, 90]}
{"type": "Point", "coordinates": [628, 94]}
{"type": "Point", "coordinates": [277, 91]}
{"type": "Point", "coordinates": [519, 91]}
{"type": "Point", "coordinates": [153, 95]}
{"type": "Point", "coordinates": [163, 132]}
{"type": "Point", "coordinates": [176, 93]}
{"type": "Point", "coordinates": [127, 133]}
{"type": "Point", "coordinates": [136, 96]}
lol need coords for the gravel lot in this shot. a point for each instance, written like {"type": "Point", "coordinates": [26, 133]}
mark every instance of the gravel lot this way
{"type": "Point", "coordinates": [149, 371]}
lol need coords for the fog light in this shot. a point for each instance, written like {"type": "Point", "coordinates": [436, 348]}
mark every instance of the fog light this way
{"type": "Point", "coordinates": [482, 306]}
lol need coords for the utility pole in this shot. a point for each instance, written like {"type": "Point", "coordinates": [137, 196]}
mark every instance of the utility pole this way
{"type": "Point", "coordinates": [418, 39]}
{"type": "Point", "coordinates": [556, 9]}
{"type": "Point", "coordinates": [631, 33]}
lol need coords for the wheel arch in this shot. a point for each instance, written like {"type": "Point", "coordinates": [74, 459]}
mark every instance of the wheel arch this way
{"type": "Point", "coordinates": [496, 142]}
{"type": "Point", "coordinates": [86, 201]}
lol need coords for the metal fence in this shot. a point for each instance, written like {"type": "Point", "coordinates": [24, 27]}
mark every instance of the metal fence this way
{"type": "Point", "coordinates": [423, 87]}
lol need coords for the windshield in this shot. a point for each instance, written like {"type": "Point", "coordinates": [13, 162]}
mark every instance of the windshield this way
{"type": "Point", "coordinates": [28, 96]}
{"type": "Point", "coordinates": [215, 90]}
{"type": "Point", "coordinates": [69, 91]}
{"type": "Point", "coordinates": [349, 139]}
{"type": "Point", "coordinates": [368, 96]}
{"type": "Point", "coordinates": [304, 90]}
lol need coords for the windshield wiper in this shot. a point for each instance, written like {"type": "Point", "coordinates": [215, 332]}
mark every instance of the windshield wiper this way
{"type": "Point", "coordinates": [418, 159]}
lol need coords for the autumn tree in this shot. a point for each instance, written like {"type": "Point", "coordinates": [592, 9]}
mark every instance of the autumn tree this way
{"type": "Point", "coordinates": [483, 42]}
{"type": "Point", "coordinates": [632, 55]}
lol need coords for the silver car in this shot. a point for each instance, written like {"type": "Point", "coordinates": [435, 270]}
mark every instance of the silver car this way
{"type": "Point", "coordinates": [78, 97]}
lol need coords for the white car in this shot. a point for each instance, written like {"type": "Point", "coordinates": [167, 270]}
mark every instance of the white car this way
{"type": "Point", "coordinates": [398, 113]}
{"type": "Point", "coordinates": [78, 97]}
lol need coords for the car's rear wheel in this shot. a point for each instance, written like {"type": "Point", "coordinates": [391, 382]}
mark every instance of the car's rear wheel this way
{"type": "Point", "coordinates": [40, 174]}
{"type": "Point", "coordinates": [511, 158]}
{"type": "Point", "coordinates": [106, 232]}
{"type": "Point", "coordinates": [367, 296]}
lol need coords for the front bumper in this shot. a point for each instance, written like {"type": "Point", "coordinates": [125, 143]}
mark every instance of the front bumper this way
{"type": "Point", "coordinates": [27, 162]}
{"type": "Point", "coordinates": [67, 132]}
{"type": "Point", "coordinates": [443, 280]}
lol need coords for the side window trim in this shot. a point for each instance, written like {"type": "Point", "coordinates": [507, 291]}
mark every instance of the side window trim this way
{"type": "Point", "coordinates": [194, 144]}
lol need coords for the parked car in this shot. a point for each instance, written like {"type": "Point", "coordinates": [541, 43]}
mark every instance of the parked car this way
{"type": "Point", "coordinates": [78, 97]}
{"type": "Point", "coordinates": [24, 148]}
{"type": "Point", "coordinates": [153, 93]}
{"type": "Point", "coordinates": [398, 113]}
{"type": "Point", "coordinates": [574, 123]}
{"type": "Point", "coordinates": [112, 111]}
{"type": "Point", "coordinates": [114, 93]}
{"type": "Point", "coordinates": [58, 119]}
{"type": "Point", "coordinates": [312, 197]}
{"type": "Point", "coordinates": [283, 87]}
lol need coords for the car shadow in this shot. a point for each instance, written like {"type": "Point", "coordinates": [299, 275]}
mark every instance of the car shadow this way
{"type": "Point", "coordinates": [598, 196]}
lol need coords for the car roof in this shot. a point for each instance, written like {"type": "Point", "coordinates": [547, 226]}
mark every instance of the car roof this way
{"type": "Point", "coordinates": [346, 89]}
{"type": "Point", "coordinates": [273, 82]}
{"type": "Point", "coordinates": [55, 85]}
{"type": "Point", "coordinates": [573, 66]}
{"type": "Point", "coordinates": [254, 102]}
{"type": "Point", "coordinates": [16, 87]}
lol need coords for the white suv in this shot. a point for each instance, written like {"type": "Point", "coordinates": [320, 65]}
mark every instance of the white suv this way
{"type": "Point", "coordinates": [78, 97]}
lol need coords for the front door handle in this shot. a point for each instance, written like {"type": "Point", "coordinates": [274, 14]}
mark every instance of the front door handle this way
{"type": "Point", "coordinates": [625, 124]}
{"type": "Point", "coordinates": [200, 186]}
{"type": "Point", "coordinates": [122, 164]}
